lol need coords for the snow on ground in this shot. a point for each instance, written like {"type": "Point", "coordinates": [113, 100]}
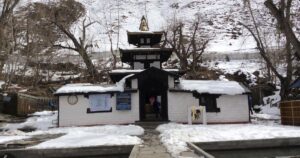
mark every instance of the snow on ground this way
{"type": "Point", "coordinates": [92, 136]}
{"type": "Point", "coordinates": [265, 116]}
{"type": "Point", "coordinates": [270, 110]}
{"type": "Point", "coordinates": [4, 139]}
{"type": "Point", "coordinates": [267, 112]}
{"type": "Point", "coordinates": [174, 136]}
{"type": "Point", "coordinates": [273, 100]}
{"type": "Point", "coordinates": [248, 67]}
{"type": "Point", "coordinates": [39, 120]}
{"type": "Point", "coordinates": [235, 65]}
{"type": "Point", "coordinates": [44, 122]}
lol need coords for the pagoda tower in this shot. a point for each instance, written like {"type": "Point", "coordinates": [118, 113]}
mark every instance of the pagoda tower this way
{"type": "Point", "coordinates": [146, 54]}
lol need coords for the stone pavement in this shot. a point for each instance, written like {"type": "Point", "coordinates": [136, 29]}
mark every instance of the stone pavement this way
{"type": "Point", "coordinates": [153, 148]}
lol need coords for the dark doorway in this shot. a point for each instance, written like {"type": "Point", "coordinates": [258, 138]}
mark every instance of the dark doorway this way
{"type": "Point", "coordinates": [153, 84]}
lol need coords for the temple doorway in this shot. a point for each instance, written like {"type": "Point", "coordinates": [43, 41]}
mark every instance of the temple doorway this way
{"type": "Point", "coordinates": [153, 87]}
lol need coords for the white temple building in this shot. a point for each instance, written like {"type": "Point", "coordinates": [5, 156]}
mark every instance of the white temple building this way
{"type": "Point", "coordinates": [128, 100]}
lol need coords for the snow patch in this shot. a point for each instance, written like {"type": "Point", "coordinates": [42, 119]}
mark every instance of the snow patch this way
{"type": "Point", "coordinates": [174, 136]}
{"type": "Point", "coordinates": [87, 136]}
{"type": "Point", "coordinates": [92, 136]}
{"type": "Point", "coordinates": [4, 139]}
{"type": "Point", "coordinates": [39, 120]}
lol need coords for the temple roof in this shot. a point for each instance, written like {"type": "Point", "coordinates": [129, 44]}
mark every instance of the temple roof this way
{"type": "Point", "coordinates": [118, 74]}
{"type": "Point", "coordinates": [127, 55]}
{"type": "Point", "coordinates": [134, 37]}
{"type": "Point", "coordinates": [146, 50]}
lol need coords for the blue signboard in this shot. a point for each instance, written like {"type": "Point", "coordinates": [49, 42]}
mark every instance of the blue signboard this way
{"type": "Point", "coordinates": [123, 101]}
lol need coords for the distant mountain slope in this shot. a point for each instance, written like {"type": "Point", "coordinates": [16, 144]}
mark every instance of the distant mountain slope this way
{"type": "Point", "coordinates": [219, 18]}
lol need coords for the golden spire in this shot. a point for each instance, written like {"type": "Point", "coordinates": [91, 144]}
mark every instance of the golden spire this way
{"type": "Point", "coordinates": [144, 24]}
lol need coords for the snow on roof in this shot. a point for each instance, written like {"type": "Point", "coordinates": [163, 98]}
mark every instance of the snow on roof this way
{"type": "Point", "coordinates": [145, 32]}
{"type": "Point", "coordinates": [88, 87]}
{"type": "Point", "coordinates": [147, 48]}
{"type": "Point", "coordinates": [138, 70]}
{"type": "Point", "coordinates": [85, 88]}
{"type": "Point", "coordinates": [213, 87]}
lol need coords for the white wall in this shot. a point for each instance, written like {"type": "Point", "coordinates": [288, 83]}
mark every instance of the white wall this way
{"type": "Point", "coordinates": [134, 83]}
{"type": "Point", "coordinates": [155, 64]}
{"type": "Point", "coordinates": [233, 109]}
{"type": "Point", "coordinates": [138, 65]}
{"type": "Point", "coordinates": [171, 82]}
{"type": "Point", "coordinates": [76, 115]}
{"type": "Point", "coordinates": [178, 104]}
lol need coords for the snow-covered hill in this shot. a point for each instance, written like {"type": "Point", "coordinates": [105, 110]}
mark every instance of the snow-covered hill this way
{"type": "Point", "coordinates": [216, 19]}
{"type": "Point", "coordinates": [219, 18]}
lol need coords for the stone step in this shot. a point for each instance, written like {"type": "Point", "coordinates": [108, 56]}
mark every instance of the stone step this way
{"type": "Point", "coordinates": [150, 124]}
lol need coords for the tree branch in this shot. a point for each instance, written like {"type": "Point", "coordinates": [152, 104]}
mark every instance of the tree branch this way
{"type": "Point", "coordinates": [65, 47]}
{"type": "Point", "coordinates": [284, 23]}
{"type": "Point", "coordinates": [263, 52]}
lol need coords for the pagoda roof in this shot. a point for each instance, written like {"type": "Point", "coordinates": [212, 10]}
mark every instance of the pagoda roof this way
{"type": "Point", "coordinates": [118, 74]}
{"type": "Point", "coordinates": [134, 37]}
{"type": "Point", "coordinates": [153, 70]}
{"type": "Point", "coordinates": [127, 55]}
{"type": "Point", "coordinates": [145, 50]}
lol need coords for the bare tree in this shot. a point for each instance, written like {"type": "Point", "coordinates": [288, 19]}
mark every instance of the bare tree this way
{"type": "Point", "coordinates": [7, 40]}
{"type": "Point", "coordinates": [33, 42]}
{"type": "Point", "coordinates": [54, 22]}
{"type": "Point", "coordinates": [258, 36]}
{"type": "Point", "coordinates": [80, 45]}
{"type": "Point", "coordinates": [112, 27]}
{"type": "Point", "coordinates": [187, 45]}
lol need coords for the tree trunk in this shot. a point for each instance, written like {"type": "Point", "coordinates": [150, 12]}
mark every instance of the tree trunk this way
{"type": "Point", "coordinates": [183, 63]}
{"type": "Point", "coordinates": [89, 65]}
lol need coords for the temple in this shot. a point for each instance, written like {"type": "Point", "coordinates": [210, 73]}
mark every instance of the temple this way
{"type": "Point", "coordinates": [147, 92]}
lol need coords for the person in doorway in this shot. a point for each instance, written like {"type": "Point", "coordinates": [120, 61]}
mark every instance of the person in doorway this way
{"type": "Point", "coordinates": [156, 106]}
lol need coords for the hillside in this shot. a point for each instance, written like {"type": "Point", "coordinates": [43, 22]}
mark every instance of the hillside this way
{"type": "Point", "coordinates": [218, 19]}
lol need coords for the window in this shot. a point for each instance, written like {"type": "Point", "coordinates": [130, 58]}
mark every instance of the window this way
{"type": "Point", "coordinates": [142, 41]}
{"type": "Point", "coordinates": [140, 57]}
{"type": "Point", "coordinates": [210, 103]}
{"type": "Point", "coordinates": [148, 40]}
{"type": "Point", "coordinates": [151, 57]}
{"type": "Point", "coordinates": [99, 103]}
